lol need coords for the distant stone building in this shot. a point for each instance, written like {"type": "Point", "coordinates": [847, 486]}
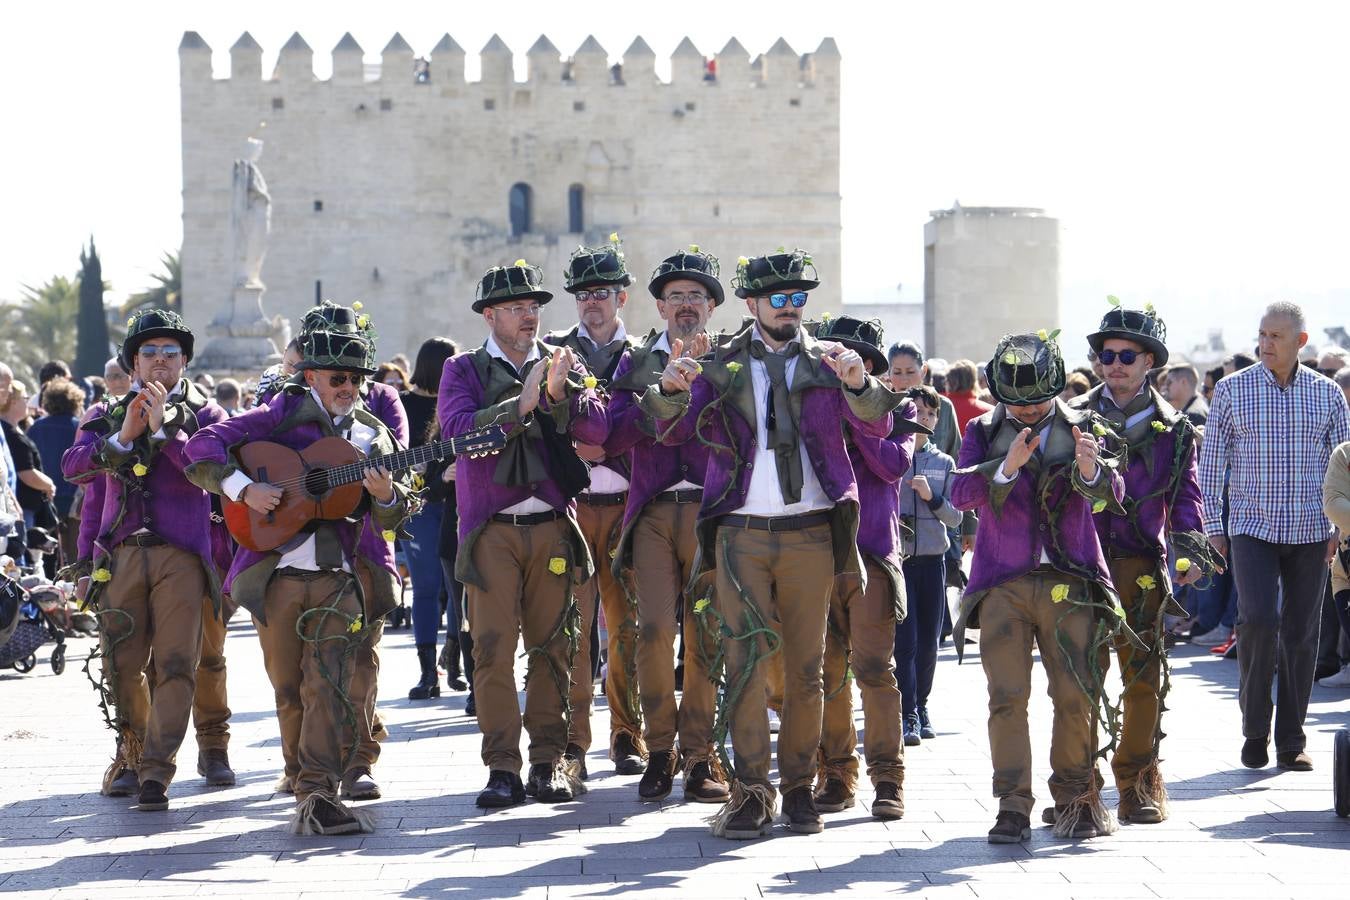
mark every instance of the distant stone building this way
{"type": "Point", "coordinates": [988, 271]}
{"type": "Point", "coordinates": [398, 184]}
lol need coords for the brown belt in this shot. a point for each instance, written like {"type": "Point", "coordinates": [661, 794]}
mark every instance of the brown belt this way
{"type": "Point", "coordinates": [145, 539]}
{"type": "Point", "coordinates": [776, 523]}
{"type": "Point", "coordinates": [687, 495]}
{"type": "Point", "coordinates": [616, 499]}
{"type": "Point", "coordinates": [538, 518]}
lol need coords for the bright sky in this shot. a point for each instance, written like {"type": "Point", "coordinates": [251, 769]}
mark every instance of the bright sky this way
{"type": "Point", "coordinates": [1194, 153]}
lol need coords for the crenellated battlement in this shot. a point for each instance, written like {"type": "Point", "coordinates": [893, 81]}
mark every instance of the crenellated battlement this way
{"type": "Point", "coordinates": [730, 68]}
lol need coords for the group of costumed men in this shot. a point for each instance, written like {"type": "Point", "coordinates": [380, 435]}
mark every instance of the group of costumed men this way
{"type": "Point", "coordinates": [738, 491]}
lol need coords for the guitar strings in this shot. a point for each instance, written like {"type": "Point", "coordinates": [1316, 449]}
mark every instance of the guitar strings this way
{"type": "Point", "coordinates": [355, 468]}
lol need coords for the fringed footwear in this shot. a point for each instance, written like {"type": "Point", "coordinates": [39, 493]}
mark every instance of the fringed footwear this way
{"type": "Point", "coordinates": [322, 813]}
{"type": "Point", "coordinates": [628, 754]}
{"type": "Point", "coordinates": [1144, 802]}
{"type": "Point", "coordinates": [1085, 816]}
{"type": "Point", "coordinates": [284, 785]}
{"type": "Point", "coordinates": [747, 815]}
{"type": "Point", "coordinates": [127, 757]}
{"type": "Point", "coordinates": [705, 781]}
{"type": "Point", "coordinates": [837, 785]}
{"type": "Point", "coordinates": [659, 778]}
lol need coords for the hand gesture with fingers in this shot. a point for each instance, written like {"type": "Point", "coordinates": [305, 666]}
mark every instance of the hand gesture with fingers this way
{"type": "Point", "coordinates": [529, 391]}
{"type": "Point", "coordinates": [137, 415]}
{"type": "Point", "coordinates": [681, 372]}
{"type": "Point", "coordinates": [699, 345]}
{"type": "Point", "coordinates": [562, 362]}
{"type": "Point", "coordinates": [1085, 453]}
{"type": "Point", "coordinates": [379, 481]}
{"type": "Point", "coordinates": [1022, 447]}
{"type": "Point", "coordinates": [847, 364]}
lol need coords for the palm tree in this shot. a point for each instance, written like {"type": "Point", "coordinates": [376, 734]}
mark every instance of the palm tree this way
{"type": "Point", "coordinates": [39, 327]}
{"type": "Point", "coordinates": [167, 294]}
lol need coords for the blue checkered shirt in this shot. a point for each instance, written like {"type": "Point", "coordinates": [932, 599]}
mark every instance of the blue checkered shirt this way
{"type": "Point", "coordinates": [1277, 441]}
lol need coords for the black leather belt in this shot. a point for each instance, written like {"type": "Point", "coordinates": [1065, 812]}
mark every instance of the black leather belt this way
{"type": "Point", "coordinates": [144, 539]}
{"type": "Point", "coordinates": [776, 523]}
{"type": "Point", "coordinates": [307, 574]}
{"type": "Point", "coordinates": [616, 499]}
{"type": "Point", "coordinates": [687, 495]}
{"type": "Point", "coordinates": [538, 518]}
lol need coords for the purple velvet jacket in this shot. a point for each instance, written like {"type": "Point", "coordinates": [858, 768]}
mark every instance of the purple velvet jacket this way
{"type": "Point", "coordinates": [477, 391]}
{"type": "Point", "coordinates": [720, 410]}
{"type": "Point", "coordinates": [1013, 529]}
{"type": "Point", "coordinates": [162, 500]}
{"type": "Point", "coordinates": [1176, 504]}
{"type": "Point", "coordinates": [880, 464]}
{"type": "Point", "coordinates": [294, 419]}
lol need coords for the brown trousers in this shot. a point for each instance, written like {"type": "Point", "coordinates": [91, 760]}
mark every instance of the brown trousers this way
{"type": "Point", "coordinates": [163, 590]}
{"type": "Point", "coordinates": [664, 546]}
{"type": "Point", "coordinates": [600, 527]}
{"type": "Point", "coordinates": [522, 599]}
{"type": "Point", "coordinates": [1140, 672]}
{"type": "Point", "coordinates": [365, 689]}
{"type": "Point", "coordinates": [866, 621]}
{"type": "Point", "coordinates": [1012, 616]}
{"type": "Point", "coordinates": [788, 577]}
{"type": "Point", "coordinates": [210, 702]}
{"type": "Point", "coordinates": [314, 736]}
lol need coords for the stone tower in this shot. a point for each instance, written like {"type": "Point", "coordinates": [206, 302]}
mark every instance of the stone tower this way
{"type": "Point", "coordinates": [988, 271]}
{"type": "Point", "coordinates": [398, 184]}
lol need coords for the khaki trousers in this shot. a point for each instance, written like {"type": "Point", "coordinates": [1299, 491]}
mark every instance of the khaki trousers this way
{"type": "Point", "coordinates": [788, 577]}
{"type": "Point", "coordinates": [314, 737]}
{"type": "Point", "coordinates": [664, 547]}
{"type": "Point", "coordinates": [1140, 672]}
{"type": "Point", "coordinates": [210, 702]}
{"type": "Point", "coordinates": [163, 590]}
{"type": "Point", "coordinates": [866, 620]}
{"type": "Point", "coordinates": [522, 599]}
{"type": "Point", "coordinates": [1012, 616]}
{"type": "Point", "coordinates": [600, 527]}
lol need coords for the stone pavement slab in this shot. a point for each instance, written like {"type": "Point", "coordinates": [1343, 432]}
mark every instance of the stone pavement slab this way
{"type": "Point", "coordinates": [1233, 832]}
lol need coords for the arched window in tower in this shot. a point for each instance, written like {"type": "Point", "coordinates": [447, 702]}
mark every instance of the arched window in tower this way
{"type": "Point", "coordinates": [576, 209]}
{"type": "Point", "coordinates": [522, 209]}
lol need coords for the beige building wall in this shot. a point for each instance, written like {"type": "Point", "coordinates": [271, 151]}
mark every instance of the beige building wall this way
{"type": "Point", "coordinates": [988, 271]}
{"type": "Point", "coordinates": [395, 192]}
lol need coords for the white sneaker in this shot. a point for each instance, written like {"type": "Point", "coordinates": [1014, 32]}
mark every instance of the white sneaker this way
{"type": "Point", "coordinates": [1212, 638]}
{"type": "Point", "coordinates": [1340, 680]}
{"type": "Point", "coordinates": [774, 722]}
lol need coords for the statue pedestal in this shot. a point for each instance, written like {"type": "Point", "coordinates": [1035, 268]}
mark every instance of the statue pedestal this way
{"type": "Point", "coordinates": [243, 340]}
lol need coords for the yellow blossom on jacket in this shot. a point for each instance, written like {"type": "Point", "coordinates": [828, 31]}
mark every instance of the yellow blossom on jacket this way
{"type": "Point", "coordinates": [733, 367]}
{"type": "Point", "coordinates": [1098, 505]}
{"type": "Point", "coordinates": [557, 565]}
{"type": "Point", "coordinates": [701, 605]}
{"type": "Point", "coordinates": [101, 575]}
{"type": "Point", "coordinates": [355, 626]}
{"type": "Point", "coordinates": [1146, 582]}
{"type": "Point", "coordinates": [590, 381]}
{"type": "Point", "coordinates": [1183, 565]}
{"type": "Point", "coordinates": [1158, 426]}
{"type": "Point", "coordinates": [1059, 593]}
{"type": "Point", "coordinates": [1099, 429]}
{"type": "Point", "coordinates": [389, 534]}
{"type": "Point", "coordinates": [141, 470]}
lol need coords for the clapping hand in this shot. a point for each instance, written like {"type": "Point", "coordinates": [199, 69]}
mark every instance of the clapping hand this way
{"type": "Point", "coordinates": [682, 371]}
{"type": "Point", "coordinates": [1085, 453]}
{"type": "Point", "coordinates": [562, 362]}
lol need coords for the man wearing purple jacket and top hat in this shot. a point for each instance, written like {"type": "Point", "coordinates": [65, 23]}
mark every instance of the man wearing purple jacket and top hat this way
{"type": "Point", "coordinates": [520, 550]}
{"type": "Point", "coordinates": [152, 568]}
{"type": "Point", "coordinates": [778, 520]}
{"type": "Point", "coordinates": [1033, 470]}
{"type": "Point", "coordinates": [326, 589]}
{"type": "Point", "coordinates": [657, 545]}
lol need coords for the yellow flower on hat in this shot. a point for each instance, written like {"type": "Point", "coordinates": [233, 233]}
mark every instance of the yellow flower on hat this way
{"type": "Point", "coordinates": [389, 534]}
{"type": "Point", "coordinates": [1010, 358]}
{"type": "Point", "coordinates": [693, 248]}
{"type": "Point", "coordinates": [1098, 506]}
{"type": "Point", "coordinates": [131, 321]}
{"type": "Point", "coordinates": [557, 565]}
{"type": "Point", "coordinates": [613, 237]}
{"type": "Point", "coordinates": [355, 626]}
{"type": "Point", "coordinates": [1059, 593]}
{"type": "Point", "coordinates": [1158, 426]}
{"type": "Point", "coordinates": [1148, 308]}
{"type": "Point", "coordinates": [742, 261]}
{"type": "Point", "coordinates": [358, 305]}
{"type": "Point", "coordinates": [1183, 565]}
{"type": "Point", "coordinates": [701, 605]}
{"type": "Point", "coordinates": [590, 381]}
{"type": "Point", "coordinates": [825, 317]}
{"type": "Point", "coordinates": [1043, 335]}
{"type": "Point", "coordinates": [520, 263]}
{"type": "Point", "coordinates": [1146, 582]}
{"type": "Point", "coordinates": [141, 470]}
{"type": "Point", "coordinates": [362, 321]}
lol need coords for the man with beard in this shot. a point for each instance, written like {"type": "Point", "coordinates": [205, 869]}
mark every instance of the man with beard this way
{"type": "Point", "coordinates": [520, 551]}
{"type": "Point", "coordinates": [152, 572]}
{"type": "Point", "coordinates": [778, 520]}
{"type": "Point", "coordinates": [598, 278]}
{"type": "Point", "coordinates": [657, 545]}
{"type": "Point", "coordinates": [318, 598]}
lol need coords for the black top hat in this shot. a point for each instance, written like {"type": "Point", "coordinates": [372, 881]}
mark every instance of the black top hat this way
{"type": "Point", "coordinates": [595, 266]}
{"type": "Point", "coordinates": [1025, 369]}
{"type": "Point", "coordinates": [1142, 326]}
{"type": "Point", "coordinates": [781, 271]}
{"type": "Point", "coordinates": [692, 264]}
{"type": "Point", "coordinates": [861, 336]}
{"type": "Point", "coordinates": [518, 281]}
{"type": "Point", "coordinates": [337, 337]}
{"type": "Point", "coordinates": [154, 323]}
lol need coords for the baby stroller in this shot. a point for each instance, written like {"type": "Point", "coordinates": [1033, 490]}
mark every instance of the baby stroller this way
{"type": "Point", "coordinates": [24, 627]}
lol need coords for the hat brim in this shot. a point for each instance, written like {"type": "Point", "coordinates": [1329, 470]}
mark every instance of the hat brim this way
{"type": "Point", "coordinates": [586, 285]}
{"type": "Point", "coordinates": [712, 284]}
{"type": "Point", "coordinates": [306, 364]}
{"type": "Point", "coordinates": [1053, 390]}
{"type": "Point", "coordinates": [542, 296]}
{"type": "Point", "coordinates": [801, 284]}
{"type": "Point", "coordinates": [130, 346]}
{"type": "Point", "coordinates": [1150, 344]}
{"type": "Point", "coordinates": [867, 351]}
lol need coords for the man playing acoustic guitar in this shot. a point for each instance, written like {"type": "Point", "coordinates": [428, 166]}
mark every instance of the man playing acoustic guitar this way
{"type": "Point", "coordinates": [330, 584]}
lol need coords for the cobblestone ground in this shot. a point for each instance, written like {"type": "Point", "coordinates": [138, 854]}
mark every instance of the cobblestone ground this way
{"type": "Point", "coordinates": [1233, 832]}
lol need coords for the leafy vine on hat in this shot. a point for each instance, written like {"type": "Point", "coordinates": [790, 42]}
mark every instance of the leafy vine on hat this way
{"type": "Point", "coordinates": [1142, 326]}
{"type": "Point", "coordinates": [337, 337]}
{"type": "Point", "coordinates": [1026, 369]}
{"type": "Point", "coordinates": [518, 281]}
{"type": "Point", "coordinates": [693, 264]}
{"type": "Point", "coordinates": [782, 270]}
{"type": "Point", "coordinates": [590, 267]}
{"type": "Point", "coordinates": [147, 324]}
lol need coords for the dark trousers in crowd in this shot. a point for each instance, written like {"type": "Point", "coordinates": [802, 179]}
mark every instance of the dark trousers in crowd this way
{"type": "Point", "coordinates": [917, 637]}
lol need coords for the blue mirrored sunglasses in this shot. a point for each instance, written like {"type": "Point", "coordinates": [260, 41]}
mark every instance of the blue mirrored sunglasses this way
{"type": "Point", "coordinates": [778, 301]}
{"type": "Point", "coordinates": [1127, 357]}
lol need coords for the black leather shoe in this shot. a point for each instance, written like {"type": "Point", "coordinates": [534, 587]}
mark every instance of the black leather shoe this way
{"type": "Point", "coordinates": [125, 784]}
{"type": "Point", "coordinates": [554, 787]}
{"type": "Point", "coordinates": [153, 796]}
{"type": "Point", "coordinates": [358, 785]}
{"type": "Point", "coordinates": [889, 803]}
{"type": "Point", "coordinates": [751, 821]}
{"type": "Point", "coordinates": [834, 796]}
{"type": "Point", "coordinates": [799, 809]}
{"type": "Point", "coordinates": [539, 774]}
{"type": "Point", "coordinates": [1254, 753]}
{"type": "Point", "coordinates": [1010, 828]}
{"type": "Point", "coordinates": [702, 786]}
{"type": "Point", "coordinates": [574, 752]}
{"type": "Point", "coordinates": [214, 766]}
{"type": "Point", "coordinates": [627, 761]}
{"type": "Point", "coordinates": [503, 789]}
{"type": "Point", "coordinates": [471, 705]}
{"type": "Point", "coordinates": [659, 777]}
{"type": "Point", "coordinates": [925, 726]}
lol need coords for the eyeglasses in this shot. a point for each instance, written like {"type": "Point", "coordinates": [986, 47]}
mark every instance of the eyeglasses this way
{"type": "Point", "coordinates": [169, 351]}
{"type": "Point", "coordinates": [1126, 357]}
{"type": "Point", "coordinates": [599, 294]}
{"type": "Point", "coordinates": [778, 301]}
{"type": "Point", "coordinates": [691, 299]}
{"type": "Point", "coordinates": [338, 379]}
{"type": "Point", "coordinates": [521, 309]}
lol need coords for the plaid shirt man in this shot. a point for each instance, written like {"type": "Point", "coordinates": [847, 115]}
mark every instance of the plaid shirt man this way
{"type": "Point", "coordinates": [1277, 442]}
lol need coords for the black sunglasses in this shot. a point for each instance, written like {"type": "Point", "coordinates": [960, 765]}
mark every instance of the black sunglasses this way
{"type": "Point", "coordinates": [342, 378]}
{"type": "Point", "coordinates": [1127, 357]}
{"type": "Point", "coordinates": [778, 301]}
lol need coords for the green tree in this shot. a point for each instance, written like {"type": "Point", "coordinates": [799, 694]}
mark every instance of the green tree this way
{"type": "Point", "coordinates": [166, 294]}
{"type": "Point", "coordinates": [38, 327]}
{"type": "Point", "coordinates": [92, 329]}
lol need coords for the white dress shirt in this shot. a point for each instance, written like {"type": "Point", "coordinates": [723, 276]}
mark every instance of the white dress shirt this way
{"type": "Point", "coordinates": [604, 480]}
{"type": "Point", "coordinates": [663, 344]}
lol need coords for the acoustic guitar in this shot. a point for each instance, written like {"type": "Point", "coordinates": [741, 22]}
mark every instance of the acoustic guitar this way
{"type": "Point", "coordinates": [323, 481]}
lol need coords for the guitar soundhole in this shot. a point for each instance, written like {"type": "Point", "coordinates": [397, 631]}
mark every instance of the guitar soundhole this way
{"type": "Point", "coordinates": [316, 482]}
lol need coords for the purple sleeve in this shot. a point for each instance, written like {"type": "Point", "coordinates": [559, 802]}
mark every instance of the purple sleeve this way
{"type": "Point", "coordinates": [79, 464]}
{"type": "Point", "coordinates": [213, 443]}
{"type": "Point", "coordinates": [970, 488]}
{"type": "Point", "coordinates": [91, 516]}
{"type": "Point", "coordinates": [1187, 512]}
{"type": "Point", "coordinates": [624, 415]}
{"type": "Point", "coordinates": [388, 408]}
{"type": "Point", "coordinates": [889, 458]}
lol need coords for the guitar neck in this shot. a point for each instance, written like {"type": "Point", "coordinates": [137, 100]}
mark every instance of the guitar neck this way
{"type": "Point", "coordinates": [394, 462]}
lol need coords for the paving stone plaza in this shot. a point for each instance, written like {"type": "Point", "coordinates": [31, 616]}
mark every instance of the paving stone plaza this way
{"type": "Point", "coordinates": [1233, 832]}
